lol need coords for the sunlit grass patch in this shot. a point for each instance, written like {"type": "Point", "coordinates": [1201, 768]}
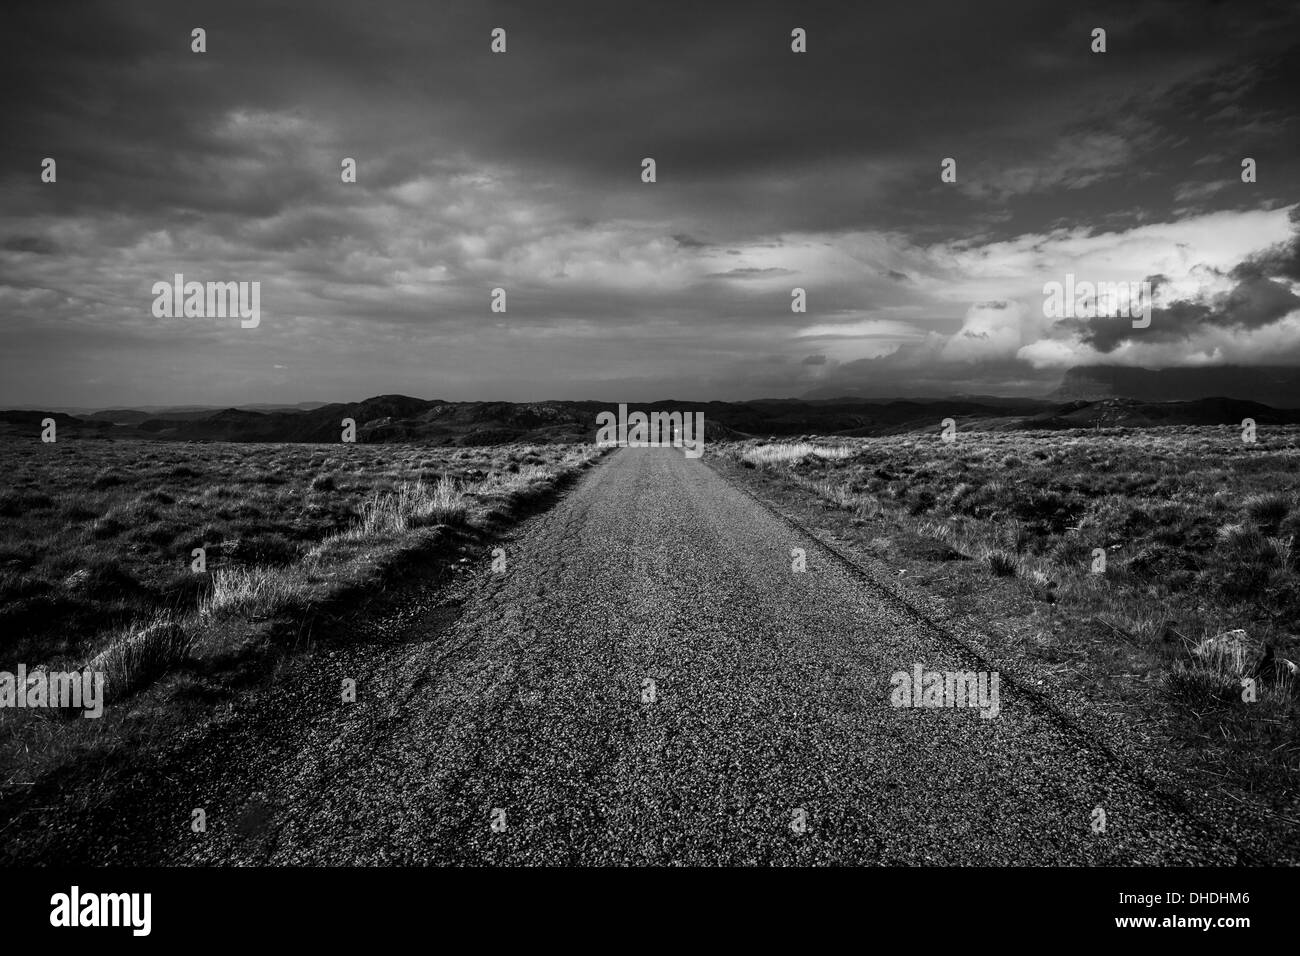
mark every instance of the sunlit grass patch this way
{"type": "Point", "coordinates": [139, 653]}
{"type": "Point", "coordinates": [252, 591]}
{"type": "Point", "coordinates": [786, 452]}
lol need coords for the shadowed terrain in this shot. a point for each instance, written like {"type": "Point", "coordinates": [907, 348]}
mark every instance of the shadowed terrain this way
{"type": "Point", "coordinates": [647, 680]}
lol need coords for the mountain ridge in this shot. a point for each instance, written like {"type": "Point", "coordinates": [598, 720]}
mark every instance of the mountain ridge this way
{"type": "Point", "coordinates": [402, 418]}
{"type": "Point", "coordinates": [1275, 386]}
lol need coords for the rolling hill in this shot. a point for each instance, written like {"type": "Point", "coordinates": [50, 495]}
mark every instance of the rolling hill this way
{"type": "Point", "coordinates": [401, 418]}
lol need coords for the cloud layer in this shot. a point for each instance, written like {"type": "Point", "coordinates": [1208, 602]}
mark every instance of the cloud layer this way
{"type": "Point", "coordinates": [522, 171]}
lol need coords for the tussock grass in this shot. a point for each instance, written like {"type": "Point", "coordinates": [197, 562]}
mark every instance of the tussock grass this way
{"type": "Point", "coordinates": [834, 493]}
{"type": "Point", "coordinates": [415, 504]}
{"type": "Point", "coordinates": [786, 452]}
{"type": "Point", "coordinates": [1002, 564]}
{"type": "Point", "coordinates": [141, 652]}
{"type": "Point", "coordinates": [1268, 510]}
{"type": "Point", "coordinates": [250, 592]}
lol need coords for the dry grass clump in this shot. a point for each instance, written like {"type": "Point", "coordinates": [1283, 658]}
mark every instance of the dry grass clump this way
{"type": "Point", "coordinates": [141, 652]}
{"type": "Point", "coordinates": [787, 452]}
{"type": "Point", "coordinates": [415, 504]}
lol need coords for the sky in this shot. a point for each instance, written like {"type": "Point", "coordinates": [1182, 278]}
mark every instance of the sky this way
{"type": "Point", "coordinates": [522, 170]}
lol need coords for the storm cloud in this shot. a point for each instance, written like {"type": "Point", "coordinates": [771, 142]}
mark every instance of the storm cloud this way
{"type": "Point", "coordinates": [522, 170]}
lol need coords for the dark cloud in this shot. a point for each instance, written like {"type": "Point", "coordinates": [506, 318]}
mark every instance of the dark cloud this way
{"type": "Point", "coordinates": [1251, 304]}
{"type": "Point", "coordinates": [1256, 302]}
{"type": "Point", "coordinates": [900, 376]}
{"type": "Point", "coordinates": [751, 273]}
{"type": "Point", "coordinates": [38, 245]}
{"type": "Point", "coordinates": [1279, 261]}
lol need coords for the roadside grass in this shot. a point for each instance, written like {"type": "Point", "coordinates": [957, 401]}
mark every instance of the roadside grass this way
{"type": "Point", "coordinates": [285, 528]}
{"type": "Point", "coordinates": [412, 505]}
{"type": "Point", "coordinates": [786, 452]}
{"type": "Point", "coordinates": [1159, 568]}
{"type": "Point", "coordinates": [142, 652]}
{"type": "Point", "coordinates": [96, 535]}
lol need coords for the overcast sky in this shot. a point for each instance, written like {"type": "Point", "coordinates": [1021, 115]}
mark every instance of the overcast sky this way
{"type": "Point", "coordinates": [522, 170]}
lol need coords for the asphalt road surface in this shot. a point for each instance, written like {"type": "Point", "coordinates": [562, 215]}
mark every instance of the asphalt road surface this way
{"type": "Point", "coordinates": [509, 720]}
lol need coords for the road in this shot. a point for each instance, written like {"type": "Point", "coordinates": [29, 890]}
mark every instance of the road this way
{"type": "Point", "coordinates": [508, 719]}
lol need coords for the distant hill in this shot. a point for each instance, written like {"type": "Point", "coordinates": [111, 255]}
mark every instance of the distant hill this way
{"type": "Point", "coordinates": [1131, 413]}
{"type": "Point", "coordinates": [28, 423]}
{"type": "Point", "coordinates": [400, 418]}
{"type": "Point", "coordinates": [130, 416]}
{"type": "Point", "coordinates": [1278, 387]}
